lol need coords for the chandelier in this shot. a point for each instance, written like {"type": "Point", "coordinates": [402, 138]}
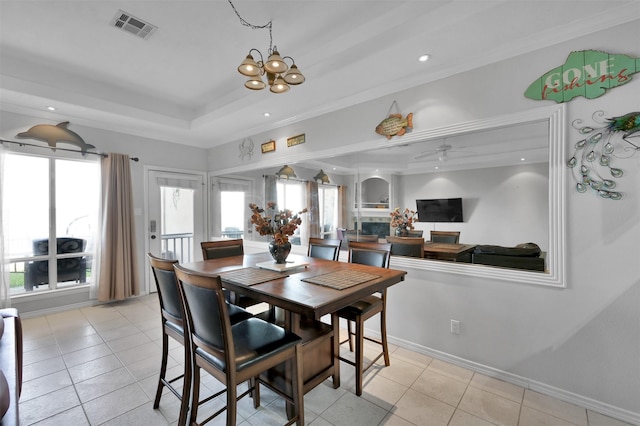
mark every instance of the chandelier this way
{"type": "Point", "coordinates": [278, 73]}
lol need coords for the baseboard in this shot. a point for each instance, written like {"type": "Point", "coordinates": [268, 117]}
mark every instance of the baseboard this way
{"type": "Point", "coordinates": [58, 309]}
{"type": "Point", "coordinates": [579, 400]}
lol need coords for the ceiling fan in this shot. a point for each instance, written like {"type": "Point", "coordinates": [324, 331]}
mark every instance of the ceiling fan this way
{"type": "Point", "coordinates": [441, 152]}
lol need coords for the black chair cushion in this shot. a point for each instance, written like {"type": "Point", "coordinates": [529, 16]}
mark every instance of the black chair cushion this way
{"type": "Point", "coordinates": [323, 252]}
{"type": "Point", "coordinates": [254, 340]}
{"type": "Point", "coordinates": [412, 250]}
{"type": "Point", "coordinates": [360, 307]}
{"type": "Point", "coordinates": [237, 314]}
{"type": "Point", "coordinates": [369, 257]}
{"type": "Point", "coordinates": [166, 282]}
{"type": "Point", "coordinates": [220, 252]}
{"type": "Point", "coordinates": [175, 327]}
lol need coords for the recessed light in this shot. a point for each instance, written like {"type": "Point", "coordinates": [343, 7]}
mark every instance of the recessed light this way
{"type": "Point", "coordinates": [522, 159]}
{"type": "Point", "coordinates": [423, 58]}
{"type": "Point", "coordinates": [267, 114]}
{"type": "Point", "coordinates": [50, 108]}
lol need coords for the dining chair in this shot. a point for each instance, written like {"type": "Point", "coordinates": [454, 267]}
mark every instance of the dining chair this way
{"type": "Point", "coordinates": [406, 246]}
{"type": "Point", "coordinates": [234, 353]}
{"type": "Point", "coordinates": [451, 237]}
{"type": "Point", "coordinates": [415, 233]}
{"type": "Point", "coordinates": [328, 249]}
{"type": "Point", "coordinates": [173, 326]}
{"type": "Point", "coordinates": [227, 247]}
{"type": "Point", "coordinates": [373, 254]}
{"type": "Point", "coordinates": [355, 236]}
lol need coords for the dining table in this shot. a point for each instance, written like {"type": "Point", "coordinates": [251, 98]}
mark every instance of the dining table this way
{"type": "Point", "coordinates": [448, 251]}
{"type": "Point", "coordinates": [303, 291]}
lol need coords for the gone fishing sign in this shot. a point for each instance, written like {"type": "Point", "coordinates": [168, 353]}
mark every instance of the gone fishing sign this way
{"type": "Point", "coordinates": [587, 73]}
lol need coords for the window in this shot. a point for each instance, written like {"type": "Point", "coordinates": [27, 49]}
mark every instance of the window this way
{"type": "Point", "coordinates": [50, 215]}
{"type": "Point", "coordinates": [291, 195]}
{"type": "Point", "coordinates": [232, 209]}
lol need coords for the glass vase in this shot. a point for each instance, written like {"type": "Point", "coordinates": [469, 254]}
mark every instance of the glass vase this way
{"type": "Point", "coordinates": [402, 231]}
{"type": "Point", "coordinates": [279, 252]}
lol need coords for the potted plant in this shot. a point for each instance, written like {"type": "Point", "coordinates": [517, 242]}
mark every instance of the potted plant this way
{"type": "Point", "coordinates": [280, 224]}
{"type": "Point", "coordinates": [403, 221]}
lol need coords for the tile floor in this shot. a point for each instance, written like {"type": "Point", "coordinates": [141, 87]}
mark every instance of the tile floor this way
{"type": "Point", "coordinates": [98, 366]}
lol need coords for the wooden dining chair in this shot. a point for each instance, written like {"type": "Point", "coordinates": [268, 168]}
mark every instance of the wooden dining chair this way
{"type": "Point", "coordinates": [406, 246]}
{"type": "Point", "coordinates": [324, 249]}
{"type": "Point", "coordinates": [234, 353]}
{"type": "Point", "coordinates": [450, 237]}
{"type": "Point", "coordinates": [226, 248]}
{"type": "Point", "coordinates": [373, 254]}
{"type": "Point", "coordinates": [173, 326]}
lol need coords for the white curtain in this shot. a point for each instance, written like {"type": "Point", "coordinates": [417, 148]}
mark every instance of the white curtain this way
{"type": "Point", "coordinates": [5, 300]}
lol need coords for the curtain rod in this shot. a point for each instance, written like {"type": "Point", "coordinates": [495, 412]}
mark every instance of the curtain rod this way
{"type": "Point", "coordinates": [3, 141]}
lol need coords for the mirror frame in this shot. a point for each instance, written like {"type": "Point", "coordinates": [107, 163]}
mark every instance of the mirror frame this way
{"type": "Point", "coordinates": [555, 115]}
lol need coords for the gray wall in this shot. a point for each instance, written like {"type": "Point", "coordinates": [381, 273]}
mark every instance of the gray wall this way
{"type": "Point", "coordinates": [150, 153]}
{"type": "Point", "coordinates": [501, 206]}
{"type": "Point", "coordinates": [581, 343]}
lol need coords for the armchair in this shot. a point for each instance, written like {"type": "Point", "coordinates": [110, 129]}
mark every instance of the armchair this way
{"type": "Point", "coordinates": [69, 269]}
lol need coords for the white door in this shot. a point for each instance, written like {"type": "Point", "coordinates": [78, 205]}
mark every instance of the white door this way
{"type": "Point", "coordinates": [175, 216]}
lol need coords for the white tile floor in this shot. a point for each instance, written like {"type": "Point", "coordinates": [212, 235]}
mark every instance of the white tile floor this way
{"type": "Point", "coordinates": [99, 365]}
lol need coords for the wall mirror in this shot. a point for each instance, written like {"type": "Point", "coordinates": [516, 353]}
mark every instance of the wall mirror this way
{"type": "Point", "coordinates": [509, 171]}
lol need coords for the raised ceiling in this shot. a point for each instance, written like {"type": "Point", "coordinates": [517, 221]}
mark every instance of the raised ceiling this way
{"type": "Point", "coordinates": [181, 84]}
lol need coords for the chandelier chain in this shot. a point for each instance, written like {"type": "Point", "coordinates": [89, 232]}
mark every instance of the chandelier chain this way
{"type": "Point", "coordinates": [244, 22]}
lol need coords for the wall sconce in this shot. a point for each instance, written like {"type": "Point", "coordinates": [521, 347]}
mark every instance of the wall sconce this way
{"type": "Point", "coordinates": [286, 172]}
{"type": "Point", "coordinates": [321, 177]}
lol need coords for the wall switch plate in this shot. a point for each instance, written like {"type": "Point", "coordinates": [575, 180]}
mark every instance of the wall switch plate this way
{"type": "Point", "coordinates": [455, 326]}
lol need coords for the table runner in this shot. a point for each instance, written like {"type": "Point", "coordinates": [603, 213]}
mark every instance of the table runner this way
{"type": "Point", "coordinates": [340, 280]}
{"type": "Point", "coordinates": [251, 276]}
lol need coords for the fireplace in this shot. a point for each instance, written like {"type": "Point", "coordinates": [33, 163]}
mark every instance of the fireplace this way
{"type": "Point", "coordinates": [381, 229]}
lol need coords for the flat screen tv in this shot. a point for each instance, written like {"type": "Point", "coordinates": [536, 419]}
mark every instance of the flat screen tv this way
{"type": "Point", "coordinates": [440, 210]}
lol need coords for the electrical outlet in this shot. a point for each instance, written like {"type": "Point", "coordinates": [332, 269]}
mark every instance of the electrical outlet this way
{"type": "Point", "coordinates": [455, 326]}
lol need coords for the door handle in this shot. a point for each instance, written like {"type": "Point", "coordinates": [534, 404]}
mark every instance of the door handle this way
{"type": "Point", "coordinates": [153, 237]}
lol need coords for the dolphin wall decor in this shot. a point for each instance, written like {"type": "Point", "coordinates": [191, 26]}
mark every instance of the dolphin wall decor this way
{"type": "Point", "coordinates": [55, 134]}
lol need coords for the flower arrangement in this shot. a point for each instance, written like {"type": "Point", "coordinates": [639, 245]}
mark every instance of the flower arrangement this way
{"type": "Point", "coordinates": [403, 219]}
{"type": "Point", "coordinates": [279, 223]}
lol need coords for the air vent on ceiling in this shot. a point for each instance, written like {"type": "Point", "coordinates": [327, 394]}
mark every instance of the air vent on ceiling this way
{"type": "Point", "coordinates": [126, 22]}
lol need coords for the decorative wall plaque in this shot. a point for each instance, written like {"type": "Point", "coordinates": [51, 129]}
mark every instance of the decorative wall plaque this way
{"type": "Point", "coordinates": [587, 73]}
{"type": "Point", "coordinates": [268, 146]}
{"type": "Point", "coordinates": [295, 140]}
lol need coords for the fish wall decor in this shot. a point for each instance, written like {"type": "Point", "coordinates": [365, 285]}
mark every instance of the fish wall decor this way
{"type": "Point", "coordinates": [53, 135]}
{"type": "Point", "coordinates": [395, 125]}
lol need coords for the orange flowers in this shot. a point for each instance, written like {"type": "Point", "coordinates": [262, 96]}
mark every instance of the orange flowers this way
{"type": "Point", "coordinates": [281, 223]}
{"type": "Point", "coordinates": [403, 219]}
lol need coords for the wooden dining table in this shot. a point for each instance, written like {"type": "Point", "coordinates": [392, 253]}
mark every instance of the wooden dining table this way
{"type": "Point", "coordinates": [305, 294]}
